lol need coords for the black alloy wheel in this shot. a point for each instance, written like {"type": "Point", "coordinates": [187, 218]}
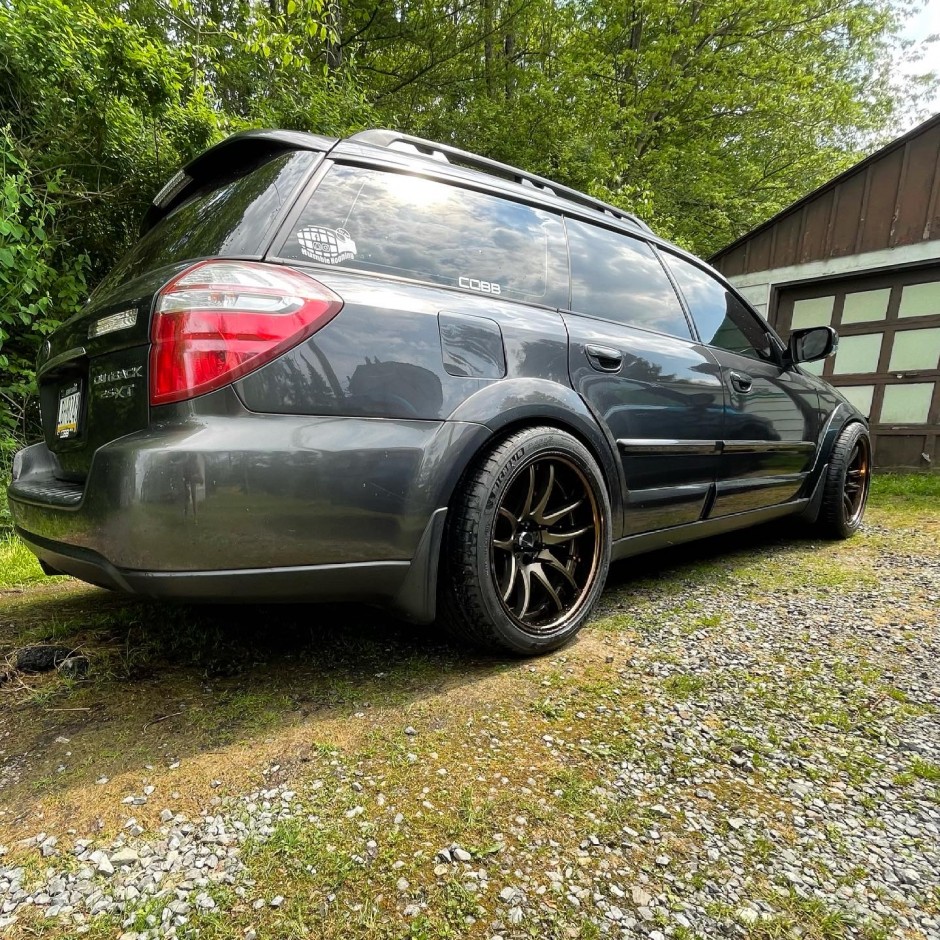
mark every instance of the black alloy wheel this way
{"type": "Point", "coordinates": [857, 482]}
{"type": "Point", "coordinates": [546, 543]}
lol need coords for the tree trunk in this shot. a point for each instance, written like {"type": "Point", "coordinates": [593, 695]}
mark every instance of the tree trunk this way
{"type": "Point", "coordinates": [489, 78]}
{"type": "Point", "coordinates": [333, 17]}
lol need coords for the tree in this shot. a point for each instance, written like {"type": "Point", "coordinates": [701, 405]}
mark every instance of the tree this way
{"type": "Point", "coordinates": [705, 116]}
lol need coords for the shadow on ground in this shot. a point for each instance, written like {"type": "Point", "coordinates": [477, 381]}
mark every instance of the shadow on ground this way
{"type": "Point", "coordinates": [168, 682]}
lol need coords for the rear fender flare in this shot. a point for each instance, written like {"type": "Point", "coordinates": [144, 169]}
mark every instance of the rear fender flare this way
{"type": "Point", "coordinates": [514, 403]}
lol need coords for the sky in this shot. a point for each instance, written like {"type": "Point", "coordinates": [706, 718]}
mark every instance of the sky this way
{"type": "Point", "coordinates": [926, 23]}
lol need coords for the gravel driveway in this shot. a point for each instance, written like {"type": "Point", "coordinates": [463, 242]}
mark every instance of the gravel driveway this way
{"type": "Point", "coordinates": [744, 743]}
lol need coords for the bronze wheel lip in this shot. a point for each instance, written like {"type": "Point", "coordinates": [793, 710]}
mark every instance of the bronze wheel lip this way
{"type": "Point", "coordinates": [857, 482]}
{"type": "Point", "coordinates": [527, 557]}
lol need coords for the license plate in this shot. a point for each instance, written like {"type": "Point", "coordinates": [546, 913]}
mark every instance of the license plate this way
{"type": "Point", "coordinates": [70, 406]}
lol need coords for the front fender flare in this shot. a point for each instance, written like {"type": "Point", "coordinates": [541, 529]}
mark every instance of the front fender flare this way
{"type": "Point", "coordinates": [839, 419]}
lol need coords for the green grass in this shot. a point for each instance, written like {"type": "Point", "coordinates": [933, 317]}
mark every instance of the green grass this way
{"type": "Point", "coordinates": [682, 686]}
{"type": "Point", "coordinates": [915, 486]}
{"type": "Point", "coordinates": [926, 770]}
{"type": "Point", "coordinates": [18, 565]}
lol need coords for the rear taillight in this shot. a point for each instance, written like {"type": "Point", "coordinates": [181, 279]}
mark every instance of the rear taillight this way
{"type": "Point", "coordinates": [220, 320]}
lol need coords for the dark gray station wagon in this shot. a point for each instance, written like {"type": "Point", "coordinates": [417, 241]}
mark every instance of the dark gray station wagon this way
{"type": "Point", "coordinates": [386, 370]}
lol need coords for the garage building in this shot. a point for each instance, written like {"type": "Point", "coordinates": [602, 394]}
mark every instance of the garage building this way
{"type": "Point", "coordinates": [862, 254]}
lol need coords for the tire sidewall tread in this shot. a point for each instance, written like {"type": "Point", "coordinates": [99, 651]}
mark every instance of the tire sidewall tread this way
{"type": "Point", "coordinates": [832, 522]}
{"type": "Point", "coordinates": [469, 605]}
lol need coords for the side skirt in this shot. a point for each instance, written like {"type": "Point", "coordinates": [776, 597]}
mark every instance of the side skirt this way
{"type": "Point", "coordinates": [677, 535]}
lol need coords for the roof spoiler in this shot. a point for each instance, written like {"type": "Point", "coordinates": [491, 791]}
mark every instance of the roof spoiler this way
{"type": "Point", "coordinates": [239, 150]}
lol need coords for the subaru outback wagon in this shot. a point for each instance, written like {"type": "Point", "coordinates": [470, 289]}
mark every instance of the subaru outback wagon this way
{"type": "Point", "coordinates": [386, 370]}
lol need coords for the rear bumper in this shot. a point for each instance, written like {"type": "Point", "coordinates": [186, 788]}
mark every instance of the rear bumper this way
{"type": "Point", "coordinates": [245, 506]}
{"type": "Point", "coordinates": [406, 587]}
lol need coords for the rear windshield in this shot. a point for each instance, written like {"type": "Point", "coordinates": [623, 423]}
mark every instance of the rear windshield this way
{"type": "Point", "coordinates": [410, 226]}
{"type": "Point", "coordinates": [230, 216]}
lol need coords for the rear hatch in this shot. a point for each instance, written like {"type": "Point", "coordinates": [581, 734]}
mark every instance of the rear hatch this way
{"type": "Point", "coordinates": [93, 373]}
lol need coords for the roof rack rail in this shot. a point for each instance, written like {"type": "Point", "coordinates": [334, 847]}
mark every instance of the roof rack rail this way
{"type": "Point", "coordinates": [444, 152]}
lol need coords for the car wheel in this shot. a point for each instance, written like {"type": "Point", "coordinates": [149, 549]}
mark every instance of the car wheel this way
{"type": "Point", "coordinates": [527, 545]}
{"type": "Point", "coordinates": [848, 479]}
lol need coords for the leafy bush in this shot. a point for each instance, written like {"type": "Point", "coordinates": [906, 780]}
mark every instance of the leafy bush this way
{"type": "Point", "coordinates": [41, 283]}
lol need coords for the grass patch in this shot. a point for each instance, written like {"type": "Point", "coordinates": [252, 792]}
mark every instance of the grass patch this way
{"type": "Point", "coordinates": [18, 565]}
{"type": "Point", "coordinates": [925, 770]}
{"type": "Point", "coordinates": [912, 486]}
{"type": "Point", "coordinates": [684, 686]}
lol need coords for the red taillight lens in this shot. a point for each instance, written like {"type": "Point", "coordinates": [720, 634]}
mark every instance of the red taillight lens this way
{"type": "Point", "coordinates": [220, 320]}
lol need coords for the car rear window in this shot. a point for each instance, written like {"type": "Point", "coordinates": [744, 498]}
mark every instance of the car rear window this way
{"type": "Point", "coordinates": [229, 217]}
{"type": "Point", "coordinates": [414, 227]}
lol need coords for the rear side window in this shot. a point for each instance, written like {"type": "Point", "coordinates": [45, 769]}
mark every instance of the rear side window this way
{"type": "Point", "coordinates": [720, 317]}
{"type": "Point", "coordinates": [620, 278]}
{"type": "Point", "coordinates": [410, 226]}
{"type": "Point", "coordinates": [231, 217]}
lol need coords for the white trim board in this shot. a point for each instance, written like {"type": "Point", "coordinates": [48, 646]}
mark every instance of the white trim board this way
{"type": "Point", "coordinates": [756, 287]}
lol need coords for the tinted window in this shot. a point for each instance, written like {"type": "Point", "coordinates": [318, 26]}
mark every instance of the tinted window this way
{"type": "Point", "coordinates": [409, 226]}
{"type": "Point", "coordinates": [722, 320]}
{"type": "Point", "coordinates": [620, 278]}
{"type": "Point", "coordinates": [230, 217]}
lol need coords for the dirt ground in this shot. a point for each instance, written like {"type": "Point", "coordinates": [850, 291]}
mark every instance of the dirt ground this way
{"type": "Point", "coordinates": [743, 742]}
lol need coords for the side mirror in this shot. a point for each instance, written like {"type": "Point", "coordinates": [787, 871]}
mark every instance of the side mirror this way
{"type": "Point", "coordinates": [817, 342]}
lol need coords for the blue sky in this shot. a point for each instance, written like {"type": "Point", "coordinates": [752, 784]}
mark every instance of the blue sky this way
{"type": "Point", "coordinates": [926, 23]}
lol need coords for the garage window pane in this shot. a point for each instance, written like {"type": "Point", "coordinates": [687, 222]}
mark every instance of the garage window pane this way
{"type": "Point", "coordinates": [858, 353]}
{"type": "Point", "coordinates": [866, 305]}
{"type": "Point", "coordinates": [906, 404]}
{"type": "Point", "coordinates": [816, 311]}
{"type": "Point", "coordinates": [920, 300]}
{"type": "Point", "coordinates": [859, 395]}
{"type": "Point", "coordinates": [915, 349]}
{"type": "Point", "coordinates": [816, 368]}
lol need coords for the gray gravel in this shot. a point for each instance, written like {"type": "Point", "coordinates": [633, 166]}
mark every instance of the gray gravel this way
{"type": "Point", "coordinates": [180, 865]}
{"type": "Point", "coordinates": [755, 766]}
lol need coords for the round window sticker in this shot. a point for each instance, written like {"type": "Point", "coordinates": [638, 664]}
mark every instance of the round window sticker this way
{"type": "Point", "coordinates": [327, 245]}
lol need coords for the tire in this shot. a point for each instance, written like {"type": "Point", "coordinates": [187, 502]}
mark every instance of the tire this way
{"type": "Point", "coordinates": [848, 478]}
{"type": "Point", "coordinates": [527, 544]}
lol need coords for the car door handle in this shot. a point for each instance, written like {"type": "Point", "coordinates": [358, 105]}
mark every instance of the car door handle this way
{"type": "Point", "coordinates": [604, 358]}
{"type": "Point", "coordinates": [740, 381]}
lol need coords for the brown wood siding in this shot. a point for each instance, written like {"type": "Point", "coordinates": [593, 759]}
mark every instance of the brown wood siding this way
{"type": "Point", "coordinates": [845, 222]}
{"type": "Point", "coordinates": [815, 225]}
{"type": "Point", "coordinates": [917, 187]}
{"type": "Point", "coordinates": [889, 199]}
{"type": "Point", "coordinates": [734, 262]}
{"type": "Point", "coordinates": [882, 200]}
{"type": "Point", "coordinates": [788, 240]}
{"type": "Point", "coordinates": [758, 258]}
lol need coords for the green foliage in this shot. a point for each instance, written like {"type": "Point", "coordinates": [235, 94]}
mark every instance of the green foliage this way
{"type": "Point", "coordinates": [101, 107]}
{"type": "Point", "coordinates": [39, 284]}
{"type": "Point", "coordinates": [29, 279]}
